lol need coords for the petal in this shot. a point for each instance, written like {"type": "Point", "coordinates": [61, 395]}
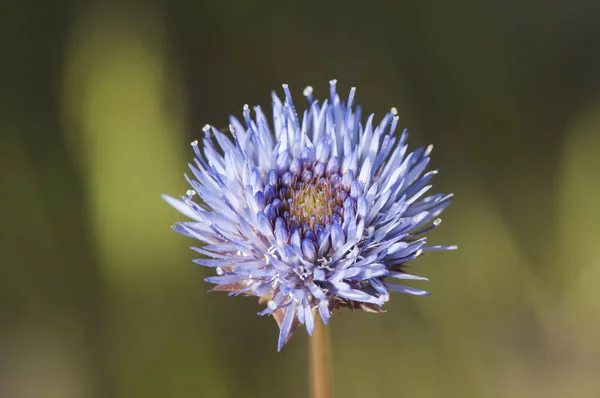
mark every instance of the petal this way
{"type": "Point", "coordinates": [286, 325]}
{"type": "Point", "coordinates": [407, 290]}
{"type": "Point", "coordinates": [309, 319]}
{"type": "Point", "coordinates": [181, 207]}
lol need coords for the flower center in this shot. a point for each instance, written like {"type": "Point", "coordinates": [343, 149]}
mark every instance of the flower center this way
{"type": "Point", "coordinates": [311, 200]}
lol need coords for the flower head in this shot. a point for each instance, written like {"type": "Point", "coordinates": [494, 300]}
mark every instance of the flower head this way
{"type": "Point", "coordinates": [310, 213]}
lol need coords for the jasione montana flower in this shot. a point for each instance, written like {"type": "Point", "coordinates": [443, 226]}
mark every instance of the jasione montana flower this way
{"type": "Point", "coordinates": [310, 212]}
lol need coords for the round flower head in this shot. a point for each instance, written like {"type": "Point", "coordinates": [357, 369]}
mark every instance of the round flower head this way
{"type": "Point", "coordinates": [310, 213]}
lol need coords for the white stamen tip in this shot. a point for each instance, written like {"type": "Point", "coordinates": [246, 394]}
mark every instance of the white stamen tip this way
{"type": "Point", "coordinates": [396, 118]}
{"type": "Point", "coordinates": [394, 110]}
{"type": "Point", "coordinates": [307, 91]}
{"type": "Point", "coordinates": [206, 128]}
{"type": "Point", "coordinates": [246, 107]}
{"type": "Point", "coordinates": [232, 130]}
{"type": "Point", "coordinates": [284, 85]}
{"type": "Point", "coordinates": [190, 192]}
{"type": "Point", "coordinates": [333, 81]}
{"type": "Point", "coordinates": [194, 143]}
{"type": "Point", "coordinates": [271, 304]}
{"type": "Point", "coordinates": [219, 271]}
{"type": "Point", "coordinates": [438, 221]}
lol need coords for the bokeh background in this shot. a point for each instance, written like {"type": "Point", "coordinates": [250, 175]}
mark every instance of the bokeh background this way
{"type": "Point", "coordinates": [100, 99]}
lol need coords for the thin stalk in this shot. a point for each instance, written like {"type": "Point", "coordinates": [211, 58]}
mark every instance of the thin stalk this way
{"type": "Point", "coordinates": [319, 363]}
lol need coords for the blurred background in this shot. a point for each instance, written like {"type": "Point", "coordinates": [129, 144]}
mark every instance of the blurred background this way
{"type": "Point", "coordinates": [99, 101]}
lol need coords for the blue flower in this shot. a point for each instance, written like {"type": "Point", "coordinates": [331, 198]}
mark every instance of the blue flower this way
{"type": "Point", "coordinates": [310, 213]}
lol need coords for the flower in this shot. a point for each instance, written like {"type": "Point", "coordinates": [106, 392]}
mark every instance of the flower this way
{"type": "Point", "coordinates": [310, 214]}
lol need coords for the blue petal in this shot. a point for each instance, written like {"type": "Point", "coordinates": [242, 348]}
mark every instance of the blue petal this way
{"type": "Point", "coordinates": [337, 237]}
{"type": "Point", "coordinates": [281, 232]}
{"type": "Point", "coordinates": [309, 249]}
{"type": "Point", "coordinates": [308, 319]}
{"type": "Point", "coordinates": [181, 207]}
{"type": "Point", "coordinates": [404, 275]}
{"type": "Point", "coordinates": [435, 248]}
{"type": "Point", "coordinates": [407, 290]}
{"type": "Point", "coordinates": [286, 325]}
{"type": "Point", "coordinates": [283, 161]}
{"type": "Point", "coordinates": [322, 152]}
{"type": "Point", "coordinates": [359, 295]}
{"type": "Point", "coordinates": [333, 165]}
{"type": "Point", "coordinates": [296, 167]}
{"type": "Point", "coordinates": [318, 274]}
{"type": "Point", "coordinates": [225, 279]}
{"type": "Point", "coordinates": [324, 312]}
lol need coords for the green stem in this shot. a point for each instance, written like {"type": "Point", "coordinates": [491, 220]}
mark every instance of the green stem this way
{"type": "Point", "coordinates": [319, 363]}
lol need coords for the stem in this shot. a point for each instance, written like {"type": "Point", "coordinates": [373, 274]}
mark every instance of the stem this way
{"type": "Point", "coordinates": [320, 367]}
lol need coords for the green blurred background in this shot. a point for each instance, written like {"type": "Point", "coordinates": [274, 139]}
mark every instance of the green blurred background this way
{"type": "Point", "coordinates": [99, 101]}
